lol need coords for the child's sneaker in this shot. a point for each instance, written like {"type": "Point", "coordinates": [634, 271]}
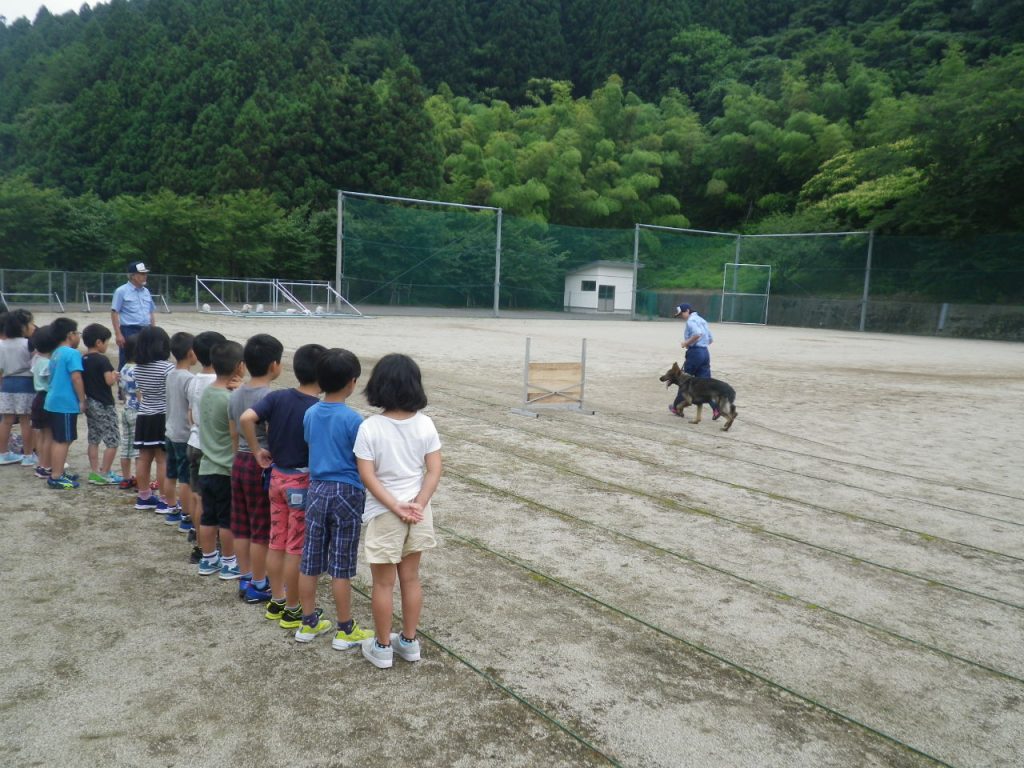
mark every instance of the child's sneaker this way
{"type": "Point", "coordinates": [382, 657]}
{"type": "Point", "coordinates": [192, 536]}
{"type": "Point", "coordinates": [209, 565]}
{"type": "Point", "coordinates": [114, 479]}
{"type": "Point", "coordinates": [10, 458]}
{"type": "Point", "coordinates": [274, 611]}
{"type": "Point", "coordinates": [173, 517]}
{"type": "Point", "coordinates": [95, 478]}
{"type": "Point", "coordinates": [29, 460]}
{"type": "Point", "coordinates": [308, 632]}
{"type": "Point", "coordinates": [127, 483]}
{"type": "Point", "coordinates": [229, 572]}
{"type": "Point", "coordinates": [144, 504]}
{"type": "Point", "coordinates": [43, 473]}
{"type": "Point", "coordinates": [185, 526]}
{"type": "Point", "coordinates": [405, 649]}
{"type": "Point", "coordinates": [256, 596]}
{"type": "Point", "coordinates": [162, 507]}
{"type": "Point", "coordinates": [63, 482]}
{"type": "Point", "coordinates": [343, 641]}
{"type": "Point", "coordinates": [290, 618]}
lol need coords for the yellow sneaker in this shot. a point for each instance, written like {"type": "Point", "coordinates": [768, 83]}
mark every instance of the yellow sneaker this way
{"type": "Point", "coordinates": [343, 641]}
{"type": "Point", "coordinates": [306, 633]}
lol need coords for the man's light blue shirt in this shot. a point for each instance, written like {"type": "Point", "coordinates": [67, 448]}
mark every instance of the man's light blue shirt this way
{"type": "Point", "coordinates": [696, 324]}
{"type": "Point", "coordinates": [134, 306]}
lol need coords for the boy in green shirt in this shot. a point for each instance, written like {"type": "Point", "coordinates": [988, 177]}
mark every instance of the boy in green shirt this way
{"type": "Point", "coordinates": [219, 444]}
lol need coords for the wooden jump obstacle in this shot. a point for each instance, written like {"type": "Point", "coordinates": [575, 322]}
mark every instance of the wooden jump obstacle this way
{"type": "Point", "coordinates": [553, 385]}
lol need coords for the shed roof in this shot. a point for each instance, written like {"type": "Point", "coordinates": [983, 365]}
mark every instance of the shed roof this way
{"type": "Point", "coordinates": [602, 263]}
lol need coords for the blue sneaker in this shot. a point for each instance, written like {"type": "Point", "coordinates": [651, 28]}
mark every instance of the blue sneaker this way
{"type": "Point", "coordinates": [229, 572]}
{"type": "Point", "coordinates": [144, 504]}
{"type": "Point", "coordinates": [256, 596]}
{"type": "Point", "coordinates": [208, 566]}
{"type": "Point", "coordinates": [62, 482]}
{"type": "Point", "coordinates": [173, 517]}
{"type": "Point", "coordinates": [185, 525]}
{"type": "Point", "coordinates": [243, 584]}
{"type": "Point", "coordinates": [162, 507]}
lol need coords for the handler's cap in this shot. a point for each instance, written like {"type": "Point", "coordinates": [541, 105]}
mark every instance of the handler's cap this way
{"type": "Point", "coordinates": [682, 308]}
{"type": "Point", "coordinates": [137, 266]}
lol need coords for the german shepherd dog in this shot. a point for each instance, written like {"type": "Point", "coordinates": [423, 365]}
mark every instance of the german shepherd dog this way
{"type": "Point", "coordinates": [700, 392]}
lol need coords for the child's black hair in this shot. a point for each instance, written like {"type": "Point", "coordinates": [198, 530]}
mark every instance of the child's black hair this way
{"type": "Point", "coordinates": [396, 384]}
{"type": "Point", "coordinates": [225, 357]}
{"type": "Point", "coordinates": [203, 343]}
{"type": "Point", "coordinates": [336, 368]}
{"type": "Point", "coordinates": [43, 341]}
{"type": "Point", "coordinates": [181, 345]}
{"type": "Point", "coordinates": [304, 362]}
{"type": "Point", "coordinates": [260, 352]}
{"type": "Point", "coordinates": [16, 322]}
{"type": "Point", "coordinates": [131, 343]}
{"type": "Point", "coordinates": [153, 345]}
{"type": "Point", "coordinates": [60, 328]}
{"type": "Point", "coordinates": [93, 333]}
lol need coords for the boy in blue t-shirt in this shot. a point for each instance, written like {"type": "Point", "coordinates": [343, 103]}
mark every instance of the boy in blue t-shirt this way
{"type": "Point", "coordinates": [65, 398]}
{"type": "Point", "coordinates": [334, 503]}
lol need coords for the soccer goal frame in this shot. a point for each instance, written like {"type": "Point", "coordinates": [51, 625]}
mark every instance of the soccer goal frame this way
{"type": "Point", "coordinates": [734, 297]}
{"type": "Point", "coordinates": [736, 262]}
{"type": "Point", "coordinates": [339, 269]}
{"type": "Point", "coordinates": [270, 297]}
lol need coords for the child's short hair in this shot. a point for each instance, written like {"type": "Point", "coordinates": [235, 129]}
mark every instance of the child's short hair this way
{"type": "Point", "coordinates": [152, 345]}
{"type": "Point", "coordinates": [260, 352]}
{"type": "Point", "coordinates": [95, 332]}
{"type": "Point", "coordinates": [203, 343]}
{"type": "Point", "coordinates": [60, 328]}
{"type": "Point", "coordinates": [43, 341]}
{"type": "Point", "coordinates": [336, 368]}
{"type": "Point", "coordinates": [131, 343]}
{"type": "Point", "coordinates": [16, 322]}
{"type": "Point", "coordinates": [304, 362]}
{"type": "Point", "coordinates": [396, 385]}
{"type": "Point", "coordinates": [225, 357]}
{"type": "Point", "coordinates": [181, 345]}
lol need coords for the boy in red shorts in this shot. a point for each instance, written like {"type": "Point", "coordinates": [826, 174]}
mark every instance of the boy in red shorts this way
{"type": "Point", "coordinates": [288, 455]}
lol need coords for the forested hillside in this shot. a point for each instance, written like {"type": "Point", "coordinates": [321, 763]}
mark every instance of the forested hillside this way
{"type": "Point", "coordinates": [219, 129]}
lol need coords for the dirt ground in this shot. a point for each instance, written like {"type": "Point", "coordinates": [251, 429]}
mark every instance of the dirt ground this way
{"type": "Point", "coordinates": [837, 581]}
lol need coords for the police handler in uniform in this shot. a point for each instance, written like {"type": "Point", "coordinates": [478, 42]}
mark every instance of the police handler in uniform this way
{"type": "Point", "coordinates": [696, 339]}
{"type": "Point", "coordinates": [132, 307]}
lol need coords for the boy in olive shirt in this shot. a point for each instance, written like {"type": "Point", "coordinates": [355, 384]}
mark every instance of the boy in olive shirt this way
{"type": "Point", "coordinates": [218, 445]}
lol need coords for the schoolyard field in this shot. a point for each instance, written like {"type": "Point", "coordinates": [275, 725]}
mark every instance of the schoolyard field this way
{"type": "Point", "coordinates": [836, 581]}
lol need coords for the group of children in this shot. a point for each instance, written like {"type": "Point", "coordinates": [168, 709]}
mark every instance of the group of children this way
{"type": "Point", "coordinates": [273, 485]}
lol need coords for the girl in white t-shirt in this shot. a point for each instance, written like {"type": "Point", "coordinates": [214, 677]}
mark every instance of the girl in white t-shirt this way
{"type": "Point", "coordinates": [398, 453]}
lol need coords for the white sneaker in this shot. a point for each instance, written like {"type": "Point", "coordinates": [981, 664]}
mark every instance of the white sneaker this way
{"type": "Point", "coordinates": [382, 658]}
{"type": "Point", "coordinates": [409, 651]}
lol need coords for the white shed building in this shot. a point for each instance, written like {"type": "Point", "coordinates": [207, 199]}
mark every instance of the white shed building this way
{"type": "Point", "coordinates": [600, 286]}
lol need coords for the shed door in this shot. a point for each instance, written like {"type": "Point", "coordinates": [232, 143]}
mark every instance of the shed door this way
{"type": "Point", "coordinates": [606, 298]}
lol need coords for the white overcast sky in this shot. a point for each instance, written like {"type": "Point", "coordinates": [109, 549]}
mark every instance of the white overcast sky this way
{"type": "Point", "coordinates": [14, 9]}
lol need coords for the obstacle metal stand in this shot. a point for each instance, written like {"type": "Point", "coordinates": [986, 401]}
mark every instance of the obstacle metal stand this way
{"type": "Point", "coordinates": [557, 386]}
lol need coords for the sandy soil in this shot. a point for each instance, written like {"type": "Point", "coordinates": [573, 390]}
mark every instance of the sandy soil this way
{"type": "Point", "coordinates": [837, 581]}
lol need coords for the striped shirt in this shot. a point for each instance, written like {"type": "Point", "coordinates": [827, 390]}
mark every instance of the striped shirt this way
{"type": "Point", "coordinates": [151, 380]}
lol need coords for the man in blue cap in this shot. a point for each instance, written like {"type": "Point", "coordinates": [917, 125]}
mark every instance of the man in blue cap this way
{"type": "Point", "coordinates": [132, 307]}
{"type": "Point", "coordinates": [696, 339]}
